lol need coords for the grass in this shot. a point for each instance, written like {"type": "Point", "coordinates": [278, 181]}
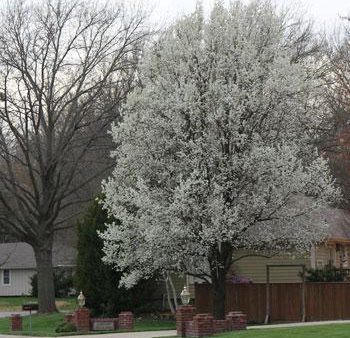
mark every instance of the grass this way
{"type": "Point", "coordinates": [45, 325]}
{"type": "Point", "coordinates": [8, 304]}
{"type": "Point", "coordinates": [42, 325]}
{"type": "Point", "coordinates": [154, 325]}
{"type": "Point", "coordinates": [320, 331]}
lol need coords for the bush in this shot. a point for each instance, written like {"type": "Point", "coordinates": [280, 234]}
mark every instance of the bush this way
{"type": "Point", "coordinates": [63, 281]}
{"type": "Point", "coordinates": [99, 282]}
{"type": "Point", "coordinates": [328, 273]}
{"type": "Point", "coordinates": [65, 327]}
{"type": "Point", "coordinates": [154, 307]}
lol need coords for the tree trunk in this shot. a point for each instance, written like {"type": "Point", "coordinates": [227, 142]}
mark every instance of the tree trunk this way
{"type": "Point", "coordinates": [170, 303]}
{"type": "Point", "coordinates": [173, 291]}
{"type": "Point", "coordinates": [219, 294]}
{"type": "Point", "coordinates": [46, 288]}
{"type": "Point", "coordinates": [221, 261]}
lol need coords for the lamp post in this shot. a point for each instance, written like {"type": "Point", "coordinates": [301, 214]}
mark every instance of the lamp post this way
{"type": "Point", "coordinates": [185, 296]}
{"type": "Point", "coordinates": [81, 299]}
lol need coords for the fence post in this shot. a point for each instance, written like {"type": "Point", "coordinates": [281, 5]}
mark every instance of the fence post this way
{"type": "Point", "coordinates": [303, 311]}
{"type": "Point", "coordinates": [267, 317]}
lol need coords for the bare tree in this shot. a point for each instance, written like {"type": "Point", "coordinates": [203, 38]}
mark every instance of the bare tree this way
{"type": "Point", "coordinates": [335, 141]}
{"type": "Point", "coordinates": [65, 68]}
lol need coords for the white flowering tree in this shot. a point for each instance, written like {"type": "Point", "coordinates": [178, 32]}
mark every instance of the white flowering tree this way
{"type": "Point", "coordinates": [215, 152]}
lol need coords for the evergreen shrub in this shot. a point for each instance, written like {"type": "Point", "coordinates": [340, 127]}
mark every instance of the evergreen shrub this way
{"type": "Point", "coordinates": [98, 281]}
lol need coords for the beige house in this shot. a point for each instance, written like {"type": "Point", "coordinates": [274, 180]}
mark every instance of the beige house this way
{"type": "Point", "coordinates": [17, 266]}
{"type": "Point", "coordinates": [336, 249]}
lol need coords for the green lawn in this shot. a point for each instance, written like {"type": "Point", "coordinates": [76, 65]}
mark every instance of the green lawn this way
{"type": "Point", "coordinates": [320, 331]}
{"type": "Point", "coordinates": [154, 325]}
{"type": "Point", "coordinates": [44, 325]}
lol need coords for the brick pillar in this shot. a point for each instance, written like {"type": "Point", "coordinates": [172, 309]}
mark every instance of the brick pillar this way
{"type": "Point", "coordinates": [126, 320]}
{"type": "Point", "coordinates": [237, 320]}
{"type": "Point", "coordinates": [203, 325]}
{"type": "Point", "coordinates": [16, 322]}
{"type": "Point", "coordinates": [69, 317]}
{"type": "Point", "coordinates": [184, 314]}
{"type": "Point", "coordinates": [82, 319]}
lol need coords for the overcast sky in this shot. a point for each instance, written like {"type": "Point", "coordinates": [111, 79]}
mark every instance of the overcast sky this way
{"type": "Point", "coordinates": [325, 12]}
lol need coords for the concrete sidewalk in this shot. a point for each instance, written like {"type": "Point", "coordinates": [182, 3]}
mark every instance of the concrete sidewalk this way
{"type": "Point", "coordinates": [170, 333]}
{"type": "Point", "coordinates": [144, 334]}
{"type": "Point", "coordinates": [276, 326]}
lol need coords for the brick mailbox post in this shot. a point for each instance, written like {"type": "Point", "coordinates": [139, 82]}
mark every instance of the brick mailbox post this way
{"type": "Point", "coordinates": [126, 320]}
{"type": "Point", "coordinates": [16, 322]}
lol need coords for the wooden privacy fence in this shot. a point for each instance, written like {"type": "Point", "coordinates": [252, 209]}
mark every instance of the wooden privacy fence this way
{"type": "Point", "coordinates": [323, 301]}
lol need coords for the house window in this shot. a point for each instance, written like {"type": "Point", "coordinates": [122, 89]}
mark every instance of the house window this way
{"type": "Point", "coordinates": [319, 264]}
{"type": "Point", "coordinates": [6, 277]}
{"type": "Point", "coordinates": [345, 258]}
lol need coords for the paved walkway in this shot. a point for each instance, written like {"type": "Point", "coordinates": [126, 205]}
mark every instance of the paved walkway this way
{"type": "Point", "coordinates": [145, 334]}
{"type": "Point", "coordinates": [9, 313]}
{"type": "Point", "coordinates": [276, 326]}
{"type": "Point", "coordinates": [170, 333]}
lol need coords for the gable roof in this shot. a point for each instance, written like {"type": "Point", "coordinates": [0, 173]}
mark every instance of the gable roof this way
{"type": "Point", "coordinates": [339, 223]}
{"type": "Point", "coordinates": [21, 256]}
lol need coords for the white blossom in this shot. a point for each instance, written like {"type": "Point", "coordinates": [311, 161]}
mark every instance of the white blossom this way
{"type": "Point", "coordinates": [216, 152]}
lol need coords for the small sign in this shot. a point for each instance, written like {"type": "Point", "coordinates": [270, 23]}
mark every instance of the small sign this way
{"type": "Point", "coordinates": [105, 325]}
{"type": "Point", "coordinates": [30, 307]}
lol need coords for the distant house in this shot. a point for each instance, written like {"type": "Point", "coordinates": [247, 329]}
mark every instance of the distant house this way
{"type": "Point", "coordinates": [17, 266]}
{"type": "Point", "coordinates": [334, 250]}
{"type": "Point", "coordinates": [252, 266]}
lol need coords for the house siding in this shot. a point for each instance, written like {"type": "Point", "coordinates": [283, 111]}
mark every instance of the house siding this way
{"type": "Point", "coordinates": [339, 255]}
{"type": "Point", "coordinates": [19, 282]}
{"type": "Point", "coordinates": [325, 254]}
{"type": "Point", "coordinates": [254, 267]}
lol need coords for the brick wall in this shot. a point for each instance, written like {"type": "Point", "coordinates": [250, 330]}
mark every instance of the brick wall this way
{"type": "Point", "coordinates": [81, 319]}
{"type": "Point", "coordinates": [69, 317]}
{"type": "Point", "coordinates": [221, 325]}
{"type": "Point", "coordinates": [201, 325]}
{"type": "Point", "coordinates": [126, 320]}
{"type": "Point", "coordinates": [113, 322]}
{"type": "Point", "coordinates": [237, 320]}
